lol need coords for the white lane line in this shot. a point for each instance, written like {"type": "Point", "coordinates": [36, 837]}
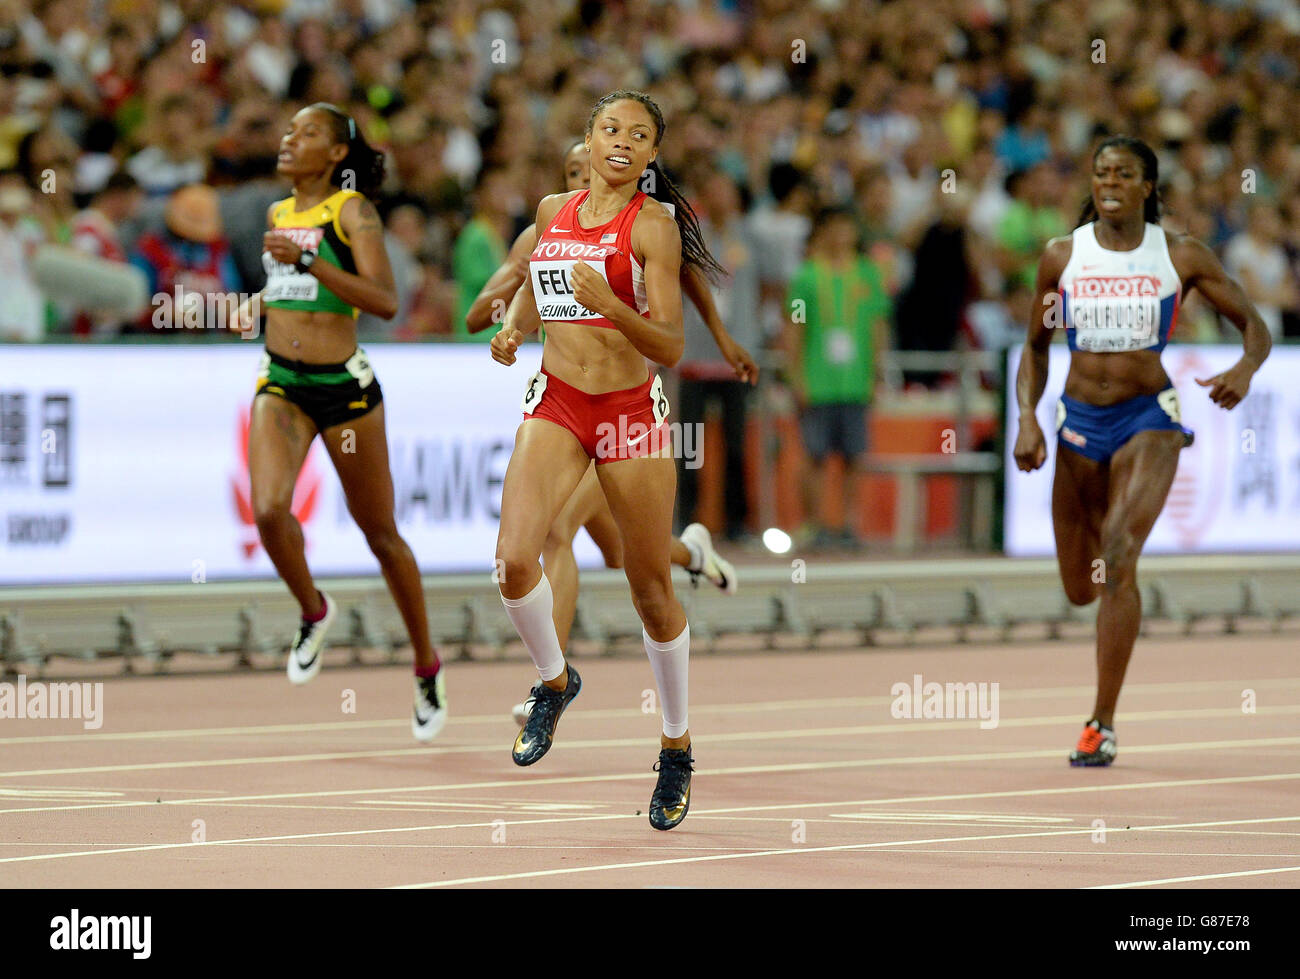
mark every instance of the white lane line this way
{"type": "Point", "coordinates": [1184, 880]}
{"type": "Point", "coordinates": [768, 769]}
{"type": "Point", "coordinates": [596, 818]}
{"type": "Point", "coordinates": [53, 793]}
{"type": "Point", "coordinates": [502, 717]}
{"type": "Point", "coordinates": [789, 734]}
{"type": "Point", "coordinates": [555, 872]}
{"type": "Point", "coordinates": [310, 836]}
{"type": "Point", "coordinates": [553, 847]}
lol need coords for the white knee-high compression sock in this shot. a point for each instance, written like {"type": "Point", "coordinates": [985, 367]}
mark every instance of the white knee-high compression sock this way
{"type": "Point", "coordinates": [532, 618]}
{"type": "Point", "coordinates": [670, 662]}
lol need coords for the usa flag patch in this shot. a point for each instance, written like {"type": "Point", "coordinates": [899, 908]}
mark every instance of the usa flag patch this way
{"type": "Point", "coordinates": [608, 239]}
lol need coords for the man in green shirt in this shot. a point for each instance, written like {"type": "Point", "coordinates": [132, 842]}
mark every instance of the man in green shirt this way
{"type": "Point", "coordinates": [838, 322]}
{"type": "Point", "coordinates": [1031, 219]}
{"type": "Point", "coordinates": [480, 248]}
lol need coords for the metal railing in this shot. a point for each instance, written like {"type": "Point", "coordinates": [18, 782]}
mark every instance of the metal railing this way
{"type": "Point", "coordinates": [779, 604]}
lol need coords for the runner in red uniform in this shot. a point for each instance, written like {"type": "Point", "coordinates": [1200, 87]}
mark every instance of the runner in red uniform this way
{"type": "Point", "coordinates": [605, 279]}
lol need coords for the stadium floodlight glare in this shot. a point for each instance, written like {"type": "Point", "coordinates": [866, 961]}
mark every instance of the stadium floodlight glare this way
{"type": "Point", "coordinates": [776, 540]}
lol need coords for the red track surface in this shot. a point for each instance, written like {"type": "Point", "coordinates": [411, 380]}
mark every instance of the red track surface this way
{"type": "Point", "coordinates": [804, 779]}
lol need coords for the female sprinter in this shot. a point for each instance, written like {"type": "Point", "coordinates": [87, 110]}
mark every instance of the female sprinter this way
{"type": "Point", "coordinates": [1121, 278]}
{"type": "Point", "coordinates": [604, 278]}
{"type": "Point", "coordinates": [587, 507]}
{"type": "Point", "coordinates": [325, 260]}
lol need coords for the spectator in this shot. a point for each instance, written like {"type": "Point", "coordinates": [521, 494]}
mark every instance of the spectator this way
{"type": "Point", "coordinates": [95, 232]}
{"type": "Point", "coordinates": [1032, 217]}
{"type": "Point", "coordinates": [780, 230]}
{"type": "Point", "coordinates": [931, 309]}
{"type": "Point", "coordinates": [837, 328]}
{"type": "Point", "coordinates": [188, 264]}
{"type": "Point", "coordinates": [48, 159]}
{"type": "Point", "coordinates": [22, 314]}
{"type": "Point", "coordinates": [403, 239]}
{"type": "Point", "coordinates": [245, 160]}
{"type": "Point", "coordinates": [705, 375]}
{"type": "Point", "coordinates": [481, 247]}
{"type": "Point", "coordinates": [1257, 259]}
{"type": "Point", "coordinates": [178, 153]}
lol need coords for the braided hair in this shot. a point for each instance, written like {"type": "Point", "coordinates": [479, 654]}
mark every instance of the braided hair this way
{"type": "Point", "coordinates": [694, 251]}
{"type": "Point", "coordinates": [364, 162]}
{"type": "Point", "coordinates": [1150, 171]}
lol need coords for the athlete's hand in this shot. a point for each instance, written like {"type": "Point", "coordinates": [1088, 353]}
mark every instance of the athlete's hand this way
{"type": "Point", "coordinates": [1031, 447]}
{"type": "Point", "coordinates": [591, 289]}
{"type": "Point", "coordinates": [247, 317]}
{"type": "Point", "coordinates": [281, 247]}
{"type": "Point", "coordinates": [504, 345]}
{"type": "Point", "coordinates": [1227, 389]}
{"type": "Point", "coordinates": [739, 359]}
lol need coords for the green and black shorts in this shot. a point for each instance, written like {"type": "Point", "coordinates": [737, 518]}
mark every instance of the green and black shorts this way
{"type": "Point", "coordinates": [330, 394]}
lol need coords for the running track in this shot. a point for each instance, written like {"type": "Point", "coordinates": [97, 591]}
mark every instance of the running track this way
{"type": "Point", "coordinates": [804, 779]}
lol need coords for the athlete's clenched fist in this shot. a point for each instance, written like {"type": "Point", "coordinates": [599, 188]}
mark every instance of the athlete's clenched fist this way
{"type": "Point", "coordinates": [504, 345]}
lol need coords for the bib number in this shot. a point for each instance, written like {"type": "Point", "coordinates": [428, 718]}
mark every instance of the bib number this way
{"type": "Point", "coordinates": [553, 290]}
{"type": "Point", "coordinates": [284, 283]}
{"type": "Point", "coordinates": [533, 394]}
{"type": "Point", "coordinates": [658, 401]}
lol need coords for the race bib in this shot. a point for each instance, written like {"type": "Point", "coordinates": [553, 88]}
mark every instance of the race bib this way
{"type": "Point", "coordinates": [533, 394]}
{"type": "Point", "coordinates": [1060, 414]}
{"type": "Point", "coordinates": [840, 346]}
{"type": "Point", "coordinates": [553, 290]}
{"type": "Point", "coordinates": [658, 401]}
{"type": "Point", "coordinates": [358, 366]}
{"type": "Point", "coordinates": [1110, 314]}
{"type": "Point", "coordinates": [284, 283]}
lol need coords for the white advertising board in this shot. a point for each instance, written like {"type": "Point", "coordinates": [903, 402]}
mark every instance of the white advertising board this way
{"type": "Point", "coordinates": [128, 463]}
{"type": "Point", "coordinates": [1237, 487]}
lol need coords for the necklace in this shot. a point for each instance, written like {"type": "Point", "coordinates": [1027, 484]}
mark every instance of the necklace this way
{"type": "Point", "coordinates": [594, 214]}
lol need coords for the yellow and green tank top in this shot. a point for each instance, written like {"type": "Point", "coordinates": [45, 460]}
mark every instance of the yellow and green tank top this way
{"type": "Point", "coordinates": [319, 230]}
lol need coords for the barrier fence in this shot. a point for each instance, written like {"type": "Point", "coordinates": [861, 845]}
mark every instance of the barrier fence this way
{"type": "Point", "coordinates": [799, 604]}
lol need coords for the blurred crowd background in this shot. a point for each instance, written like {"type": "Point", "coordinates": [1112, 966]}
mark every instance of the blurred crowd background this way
{"type": "Point", "coordinates": [953, 135]}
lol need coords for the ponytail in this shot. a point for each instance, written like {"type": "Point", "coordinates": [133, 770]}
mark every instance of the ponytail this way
{"type": "Point", "coordinates": [364, 163]}
{"type": "Point", "coordinates": [694, 251]}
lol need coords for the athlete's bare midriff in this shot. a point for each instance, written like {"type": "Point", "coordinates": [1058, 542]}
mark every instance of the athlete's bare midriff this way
{"type": "Point", "coordinates": [1105, 379]}
{"type": "Point", "coordinates": [310, 337]}
{"type": "Point", "coordinates": [594, 359]}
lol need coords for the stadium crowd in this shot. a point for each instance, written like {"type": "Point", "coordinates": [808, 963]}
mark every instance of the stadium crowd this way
{"type": "Point", "coordinates": [954, 134]}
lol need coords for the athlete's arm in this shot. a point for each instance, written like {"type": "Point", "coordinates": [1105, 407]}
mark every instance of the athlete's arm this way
{"type": "Point", "coordinates": [1201, 270]}
{"type": "Point", "coordinates": [697, 290]}
{"type": "Point", "coordinates": [371, 289]}
{"type": "Point", "coordinates": [521, 317]}
{"type": "Point", "coordinates": [248, 316]}
{"type": "Point", "coordinates": [505, 282]}
{"type": "Point", "coordinates": [1045, 316]}
{"type": "Point", "coordinates": [658, 336]}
